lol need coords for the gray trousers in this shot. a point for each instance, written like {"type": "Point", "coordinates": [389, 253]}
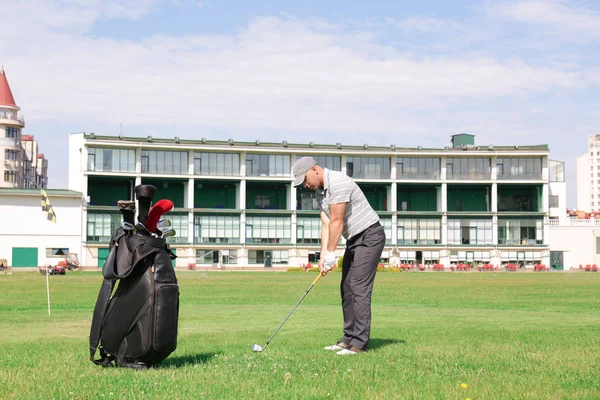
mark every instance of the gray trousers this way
{"type": "Point", "coordinates": [361, 257]}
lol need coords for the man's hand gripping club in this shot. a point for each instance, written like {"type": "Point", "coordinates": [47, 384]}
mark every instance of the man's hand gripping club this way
{"type": "Point", "coordinates": [327, 262]}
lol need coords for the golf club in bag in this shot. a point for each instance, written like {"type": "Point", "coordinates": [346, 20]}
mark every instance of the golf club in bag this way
{"type": "Point", "coordinates": [259, 348]}
{"type": "Point", "coordinates": [136, 326]}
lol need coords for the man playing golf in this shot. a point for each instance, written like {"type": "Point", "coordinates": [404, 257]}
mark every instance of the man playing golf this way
{"type": "Point", "coordinates": [346, 211]}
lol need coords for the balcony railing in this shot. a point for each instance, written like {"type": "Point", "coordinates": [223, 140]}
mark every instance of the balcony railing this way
{"type": "Point", "coordinates": [12, 117]}
{"type": "Point", "coordinates": [420, 175]}
{"type": "Point", "coordinates": [520, 177]}
{"type": "Point", "coordinates": [574, 222]}
{"type": "Point", "coordinates": [469, 176]}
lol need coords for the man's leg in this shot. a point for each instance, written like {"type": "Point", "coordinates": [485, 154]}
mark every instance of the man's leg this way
{"type": "Point", "coordinates": [361, 277]}
{"type": "Point", "coordinates": [347, 298]}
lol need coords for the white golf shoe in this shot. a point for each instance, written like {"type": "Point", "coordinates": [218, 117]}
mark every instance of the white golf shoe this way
{"type": "Point", "coordinates": [337, 347]}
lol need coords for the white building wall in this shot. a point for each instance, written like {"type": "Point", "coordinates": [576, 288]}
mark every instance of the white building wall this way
{"type": "Point", "coordinates": [558, 189]}
{"type": "Point", "coordinates": [577, 240]}
{"type": "Point", "coordinates": [24, 224]}
{"type": "Point", "coordinates": [77, 163]}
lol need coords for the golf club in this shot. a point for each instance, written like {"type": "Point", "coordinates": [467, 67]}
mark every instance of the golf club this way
{"type": "Point", "coordinates": [259, 348]}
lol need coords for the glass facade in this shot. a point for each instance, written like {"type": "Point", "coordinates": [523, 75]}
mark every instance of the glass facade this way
{"type": "Point", "coordinates": [164, 162]}
{"type": "Point", "coordinates": [520, 231]}
{"type": "Point", "coordinates": [330, 162]}
{"type": "Point", "coordinates": [368, 167]}
{"type": "Point", "coordinates": [468, 168]}
{"type": "Point", "coordinates": [179, 222]}
{"type": "Point", "coordinates": [268, 165]}
{"type": "Point", "coordinates": [469, 231]}
{"type": "Point", "coordinates": [268, 229]}
{"type": "Point", "coordinates": [557, 171]}
{"type": "Point", "coordinates": [413, 231]}
{"type": "Point", "coordinates": [111, 160]}
{"type": "Point", "coordinates": [100, 226]}
{"type": "Point", "coordinates": [222, 164]}
{"type": "Point", "coordinates": [217, 229]}
{"type": "Point", "coordinates": [308, 230]}
{"type": "Point", "coordinates": [260, 256]}
{"type": "Point", "coordinates": [518, 168]}
{"type": "Point", "coordinates": [417, 168]}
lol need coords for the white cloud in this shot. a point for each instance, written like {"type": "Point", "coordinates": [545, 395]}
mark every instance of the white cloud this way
{"type": "Point", "coordinates": [275, 74]}
{"type": "Point", "coordinates": [558, 15]}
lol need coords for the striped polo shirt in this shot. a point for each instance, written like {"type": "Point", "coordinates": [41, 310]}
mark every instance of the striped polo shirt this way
{"type": "Point", "coordinates": [340, 188]}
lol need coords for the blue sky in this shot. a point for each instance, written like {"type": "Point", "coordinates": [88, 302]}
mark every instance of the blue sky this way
{"type": "Point", "coordinates": [405, 73]}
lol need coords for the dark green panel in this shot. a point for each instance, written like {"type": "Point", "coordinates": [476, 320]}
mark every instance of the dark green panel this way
{"type": "Point", "coordinates": [277, 197]}
{"type": "Point", "coordinates": [417, 198]}
{"type": "Point", "coordinates": [168, 189]}
{"type": "Point", "coordinates": [467, 198]}
{"type": "Point", "coordinates": [24, 257]}
{"type": "Point", "coordinates": [107, 192]}
{"type": "Point", "coordinates": [376, 196]}
{"type": "Point", "coordinates": [519, 198]}
{"type": "Point", "coordinates": [214, 195]}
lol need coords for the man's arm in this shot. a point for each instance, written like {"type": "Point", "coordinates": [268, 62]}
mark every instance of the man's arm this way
{"type": "Point", "coordinates": [336, 225]}
{"type": "Point", "coordinates": [324, 233]}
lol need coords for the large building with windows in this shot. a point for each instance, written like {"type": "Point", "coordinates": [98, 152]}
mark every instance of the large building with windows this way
{"type": "Point", "coordinates": [235, 202]}
{"type": "Point", "coordinates": [588, 176]}
{"type": "Point", "coordinates": [23, 166]}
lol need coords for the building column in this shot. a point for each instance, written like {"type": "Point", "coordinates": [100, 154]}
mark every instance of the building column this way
{"type": "Point", "coordinates": [393, 197]}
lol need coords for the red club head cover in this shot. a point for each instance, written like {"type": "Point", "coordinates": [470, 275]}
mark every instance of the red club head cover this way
{"type": "Point", "coordinates": [158, 209]}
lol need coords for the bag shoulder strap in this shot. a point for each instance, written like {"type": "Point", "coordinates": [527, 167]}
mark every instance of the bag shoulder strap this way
{"type": "Point", "coordinates": [98, 319]}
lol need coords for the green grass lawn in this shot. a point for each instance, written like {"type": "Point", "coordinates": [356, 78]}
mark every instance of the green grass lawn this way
{"type": "Point", "coordinates": [503, 335]}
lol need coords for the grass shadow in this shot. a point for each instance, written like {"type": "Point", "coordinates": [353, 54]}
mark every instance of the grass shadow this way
{"type": "Point", "coordinates": [379, 343]}
{"type": "Point", "coordinates": [186, 360]}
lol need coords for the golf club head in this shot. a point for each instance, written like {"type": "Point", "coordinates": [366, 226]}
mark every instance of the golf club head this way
{"type": "Point", "coordinates": [163, 223]}
{"type": "Point", "coordinates": [256, 347]}
{"type": "Point", "coordinates": [168, 232]}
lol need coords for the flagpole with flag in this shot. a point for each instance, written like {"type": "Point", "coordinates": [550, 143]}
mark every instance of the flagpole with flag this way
{"type": "Point", "coordinates": [50, 216]}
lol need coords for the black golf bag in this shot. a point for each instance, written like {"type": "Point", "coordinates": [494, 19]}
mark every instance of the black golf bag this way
{"type": "Point", "coordinates": [136, 327]}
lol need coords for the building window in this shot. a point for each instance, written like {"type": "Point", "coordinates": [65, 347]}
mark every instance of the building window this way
{"type": "Point", "coordinates": [468, 168]}
{"type": "Point", "coordinates": [333, 163]}
{"type": "Point", "coordinates": [223, 164]}
{"type": "Point", "coordinates": [268, 229]}
{"type": "Point", "coordinates": [217, 229]}
{"type": "Point", "coordinates": [469, 231]}
{"type": "Point", "coordinates": [368, 167]}
{"type": "Point", "coordinates": [308, 230]}
{"type": "Point", "coordinates": [520, 231]}
{"type": "Point", "coordinates": [519, 168]}
{"type": "Point", "coordinates": [417, 168]}
{"type": "Point", "coordinates": [554, 201]}
{"type": "Point", "coordinates": [100, 226]}
{"type": "Point", "coordinates": [212, 256]}
{"type": "Point", "coordinates": [12, 133]}
{"type": "Point", "coordinates": [111, 160]}
{"type": "Point", "coordinates": [164, 162]}
{"type": "Point", "coordinates": [56, 252]}
{"type": "Point", "coordinates": [10, 176]}
{"type": "Point", "coordinates": [180, 224]}
{"type": "Point", "coordinates": [267, 165]}
{"type": "Point", "coordinates": [419, 231]}
{"type": "Point", "coordinates": [11, 155]}
{"type": "Point", "coordinates": [556, 170]}
{"type": "Point", "coordinates": [261, 256]}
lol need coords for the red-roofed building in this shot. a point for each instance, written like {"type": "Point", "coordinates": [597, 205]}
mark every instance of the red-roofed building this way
{"type": "Point", "coordinates": [22, 167]}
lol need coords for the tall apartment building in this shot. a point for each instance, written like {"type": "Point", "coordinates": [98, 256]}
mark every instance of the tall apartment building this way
{"type": "Point", "coordinates": [23, 166]}
{"type": "Point", "coordinates": [235, 202]}
{"type": "Point", "coordinates": [588, 176]}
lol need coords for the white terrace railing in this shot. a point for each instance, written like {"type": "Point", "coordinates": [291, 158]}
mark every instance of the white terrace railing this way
{"type": "Point", "coordinates": [574, 222]}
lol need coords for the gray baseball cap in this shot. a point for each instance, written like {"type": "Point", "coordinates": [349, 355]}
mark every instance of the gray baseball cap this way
{"type": "Point", "coordinates": [300, 168]}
